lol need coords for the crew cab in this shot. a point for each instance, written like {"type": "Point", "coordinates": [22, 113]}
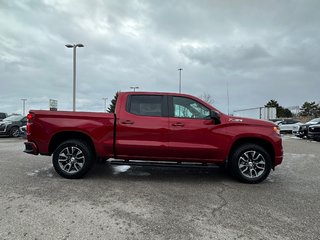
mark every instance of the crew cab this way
{"type": "Point", "coordinates": [153, 127]}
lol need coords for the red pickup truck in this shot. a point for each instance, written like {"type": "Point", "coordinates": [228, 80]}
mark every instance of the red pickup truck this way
{"type": "Point", "coordinates": [150, 126]}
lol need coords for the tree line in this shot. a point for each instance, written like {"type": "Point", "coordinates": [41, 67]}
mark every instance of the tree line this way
{"type": "Point", "coordinates": [308, 109]}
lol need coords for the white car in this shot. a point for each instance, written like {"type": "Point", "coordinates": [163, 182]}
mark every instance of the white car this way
{"type": "Point", "coordinates": [289, 125]}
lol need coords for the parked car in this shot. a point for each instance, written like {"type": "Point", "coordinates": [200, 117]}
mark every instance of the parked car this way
{"type": "Point", "coordinates": [3, 115]}
{"type": "Point", "coordinates": [287, 126]}
{"type": "Point", "coordinates": [10, 125]}
{"type": "Point", "coordinates": [314, 132]}
{"type": "Point", "coordinates": [302, 130]}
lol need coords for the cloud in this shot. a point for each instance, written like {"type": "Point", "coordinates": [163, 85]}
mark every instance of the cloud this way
{"type": "Point", "coordinates": [227, 57]}
{"type": "Point", "coordinates": [263, 49]}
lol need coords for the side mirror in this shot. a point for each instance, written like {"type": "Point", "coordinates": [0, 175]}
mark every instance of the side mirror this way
{"type": "Point", "coordinates": [215, 117]}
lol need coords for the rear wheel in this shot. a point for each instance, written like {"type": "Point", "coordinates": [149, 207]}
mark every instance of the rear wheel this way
{"type": "Point", "coordinates": [250, 163]}
{"type": "Point", "coordinates": [72, 159]}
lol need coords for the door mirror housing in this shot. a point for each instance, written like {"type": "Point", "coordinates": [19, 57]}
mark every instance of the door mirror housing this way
{"type": "Point", "coordinates": [215, 117]}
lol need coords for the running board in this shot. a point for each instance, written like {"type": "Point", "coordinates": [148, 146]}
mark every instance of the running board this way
{"type": "Point", "coordinates": [162, 164]}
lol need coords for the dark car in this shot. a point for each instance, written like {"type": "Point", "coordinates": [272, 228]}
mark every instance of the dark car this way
{"type": "Point", "coordinates": [314, 132]}
{"type": "Point", "coordinates": [10, 125]}
{"type": "Point", "coordinates": [302, 131]}
{"type": "Point", "coordinates": [3, 115]}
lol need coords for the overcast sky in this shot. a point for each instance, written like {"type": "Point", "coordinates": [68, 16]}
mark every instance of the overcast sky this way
{"type": "Point", "coordinates": [262, 50]}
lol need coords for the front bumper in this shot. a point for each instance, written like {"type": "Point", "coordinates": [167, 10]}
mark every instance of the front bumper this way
{"type": "Point", "coordinates": [300, 133]}
{"type": "Point", "coordinates": [314, 135]}
{"type": "Point", "coordinates": [31, 148]}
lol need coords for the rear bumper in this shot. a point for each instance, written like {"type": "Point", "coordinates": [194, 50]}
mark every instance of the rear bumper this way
{"type": "Point", "coordinates": [31, 148]}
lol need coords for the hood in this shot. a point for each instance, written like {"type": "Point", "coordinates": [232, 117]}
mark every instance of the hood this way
{"type": "Point", "coordinates": [249, 121]}
{"type": "Point", "coordinates": [7, 121]}
{"type": "Point", "coordinates": [307, 125]}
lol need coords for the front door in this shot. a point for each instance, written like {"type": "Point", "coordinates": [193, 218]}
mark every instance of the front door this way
{"type": "Point", "coordinates": [193, 134]}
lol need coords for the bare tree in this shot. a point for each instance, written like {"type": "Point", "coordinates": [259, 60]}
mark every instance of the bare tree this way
{"type": "Point", "coordinates": [207, 98]}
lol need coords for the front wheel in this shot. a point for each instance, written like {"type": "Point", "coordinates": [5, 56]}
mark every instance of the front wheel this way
{"type": "Point", "coordinates": [250, 163]}
{"type": "Point", "coordinates": [72, 159]}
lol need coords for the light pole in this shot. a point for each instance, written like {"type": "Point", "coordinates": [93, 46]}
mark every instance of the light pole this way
{"type": "Point", "coordinates": [105, 103]}
{"type": "Point", "coordinates": [180, 69]}
{"type": "Point", "coordinates": [23, 106]}
{"type": "Point", "coordinates": [228, 99]}
{"type": "Point", "coordinates": [134, 88]}
{"type": "Point", "coordinates": [74, 46]}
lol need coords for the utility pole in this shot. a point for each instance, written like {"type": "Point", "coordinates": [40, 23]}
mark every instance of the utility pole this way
{"type": "Point", "coordinates": [228, 99]}
{"type": "Point", "coordinates": [180, 69]}
{"type": "Point", "coordinates": [105, 103]}
{"type": "Point", "coordinates": [23, 106]}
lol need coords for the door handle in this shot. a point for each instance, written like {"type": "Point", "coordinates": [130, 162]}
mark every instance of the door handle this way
{"type": "Point", "coordinates": [178, 124]}
{"type": "Point", "coordinates": [127, 122]}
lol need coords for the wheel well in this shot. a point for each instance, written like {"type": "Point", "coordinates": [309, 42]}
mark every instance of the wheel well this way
{"type": "Point", "coordinates": [57, 139]}
{"type": "Point", "coordinates": [258, 141]}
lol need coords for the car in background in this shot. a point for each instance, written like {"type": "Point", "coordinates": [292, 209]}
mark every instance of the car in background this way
{"type": "Point", "coordinates": [287, 125]}
{"type": "Point", "coordinates": [302, 130]}
{"type": "Point", "coordinates": [10, 125]}
{"type": "Point", "coordinates": [3, 115]}
{"type": "Point", "coordinates": [314, 132]}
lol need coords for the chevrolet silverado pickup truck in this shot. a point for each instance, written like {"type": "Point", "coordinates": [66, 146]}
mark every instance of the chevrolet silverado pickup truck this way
{"type": "Point", "coordinates": [153, 127]}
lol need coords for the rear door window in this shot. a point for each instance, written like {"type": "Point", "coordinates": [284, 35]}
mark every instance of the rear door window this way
{"type": "Point", "coordinates": [146, 105]}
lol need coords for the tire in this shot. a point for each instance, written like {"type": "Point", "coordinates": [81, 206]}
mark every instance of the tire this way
{"type": "Point", "coordinates": [250, 163]}
{"type": "Point", "coordinates": [73, 159]}
{"type": "Point", "coordinates": [14, 132]}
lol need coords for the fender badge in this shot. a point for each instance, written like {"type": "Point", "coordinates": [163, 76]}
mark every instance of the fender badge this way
{"type": "Point", "coordinates": [235, 120]}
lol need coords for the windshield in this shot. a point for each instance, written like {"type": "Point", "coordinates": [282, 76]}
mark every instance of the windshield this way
{"type": "Point", "coordinates": [314, 121]}
{"type": "Point", "coordinates": [13, 118]}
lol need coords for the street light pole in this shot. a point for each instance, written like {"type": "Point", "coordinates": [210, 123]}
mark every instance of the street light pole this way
{"type": "Point", "coordinates": [228, 97]}
{"type": "Point", "coordinates": [105, 103]}
{"type": "Point", "coordinates": [134, 88]}
{"type": "Point", "coordinates": [180, 69]}
{"type": "Point", "coordinates": [23, 106]}
{"type": "Point", "coordinates": [74, 46]}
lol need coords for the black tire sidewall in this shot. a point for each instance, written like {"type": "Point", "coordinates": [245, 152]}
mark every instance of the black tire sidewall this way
{"type": "Point", "coordinates": [235, 167]}
{"type": "Point", "coordinates": [12, 130]}
{"type": "Point", "coordinates": [87, 152]}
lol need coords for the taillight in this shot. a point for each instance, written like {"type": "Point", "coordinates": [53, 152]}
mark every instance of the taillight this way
{"type": "Point", "coordinates": [28, 129]}
{"type": "Point", "coordinates": [30, 118]}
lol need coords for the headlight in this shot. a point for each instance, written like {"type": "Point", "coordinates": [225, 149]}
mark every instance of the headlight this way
{"type": "Point", "coordinates": [276, 130]}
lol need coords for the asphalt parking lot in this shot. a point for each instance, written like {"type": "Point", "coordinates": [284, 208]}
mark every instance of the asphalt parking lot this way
{"type": "Point", "coordinates": [122, 202]}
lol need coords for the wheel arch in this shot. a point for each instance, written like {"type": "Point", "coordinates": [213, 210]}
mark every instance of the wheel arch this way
{"type": "Point", "coordinates": [60, 137]}
{"type": "Point", "coordinates": [255, 140]}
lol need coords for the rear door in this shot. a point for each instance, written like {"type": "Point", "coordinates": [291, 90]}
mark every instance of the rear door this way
{"type": "Point", "coordinates": [193, 134]}
{"type": "Point", "coordinates": [142, 127]}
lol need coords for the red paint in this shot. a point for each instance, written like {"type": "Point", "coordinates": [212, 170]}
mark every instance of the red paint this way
{"type": "Point", "coordinates": [151, 137]}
